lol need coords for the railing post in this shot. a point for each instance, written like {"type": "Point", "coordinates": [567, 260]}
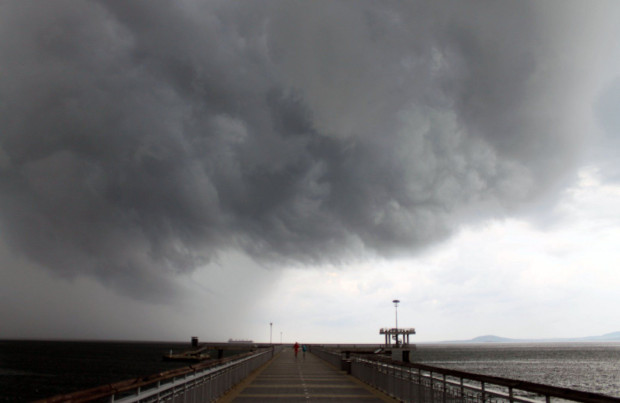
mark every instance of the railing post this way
{"type": "Point", "coordinates": [403, 380]}
{"type": "Point", "coordinates": [410, 382]}
{"type": "Point", "coordinates": [419, 383]}
{"type": "Point", "coordinates": [202, 388]}
{"type": "Point", "coordinates": [444, 388]}
{"type": "Point", "coordinates": [395, 381]}
{"type": "Point", "coordinates": [210, 388]}
{"type": "Point", "coordinates": [376, 375]}
{"type": "Point", "coordinates": [484, 394]}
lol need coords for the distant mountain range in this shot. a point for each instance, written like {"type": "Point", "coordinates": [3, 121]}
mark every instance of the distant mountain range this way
{"type": "Point", "coordinates": [615, 336]}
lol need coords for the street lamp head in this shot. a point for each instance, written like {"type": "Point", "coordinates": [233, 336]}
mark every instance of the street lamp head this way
{"type": "Point", "coordinates": [396, 301]}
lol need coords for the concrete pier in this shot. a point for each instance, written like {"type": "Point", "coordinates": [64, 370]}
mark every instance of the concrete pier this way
{"type": "Point", "coordinates": [300, 379]}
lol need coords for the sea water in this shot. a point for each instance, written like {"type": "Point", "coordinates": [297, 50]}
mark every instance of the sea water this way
{"type": "Point", "coordinates": [31, 370]}
{"type": "Point", "coordinates": [591, 367]}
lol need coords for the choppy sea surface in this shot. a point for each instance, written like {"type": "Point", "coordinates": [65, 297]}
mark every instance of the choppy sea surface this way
{"type": "Point", "coordinates": [32, 370]}
{"type": "Point", "coordinates": [591, 367]}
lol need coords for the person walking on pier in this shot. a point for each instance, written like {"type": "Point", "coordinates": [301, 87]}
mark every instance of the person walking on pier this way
{"type": "Point", "coordinates": [303, 350]}
{"type": "Point", "coordinates": [296, 348]}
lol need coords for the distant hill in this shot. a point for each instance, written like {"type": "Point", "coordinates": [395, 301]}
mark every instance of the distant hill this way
{"type": "Point", "coordinates": [490, 339]}
{"type": "Point", "coordinates": [615, 336]}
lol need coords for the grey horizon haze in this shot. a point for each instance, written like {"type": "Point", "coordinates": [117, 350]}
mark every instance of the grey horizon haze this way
{"type": "Point", "coordinates": [143, 141]}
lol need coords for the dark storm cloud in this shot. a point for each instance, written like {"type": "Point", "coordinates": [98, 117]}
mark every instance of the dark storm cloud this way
{"type": "Point", "coordinates": [141, 138]}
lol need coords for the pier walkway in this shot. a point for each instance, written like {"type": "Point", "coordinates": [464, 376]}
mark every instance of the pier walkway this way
{"type": "Point", "coordinates": [300, 379]}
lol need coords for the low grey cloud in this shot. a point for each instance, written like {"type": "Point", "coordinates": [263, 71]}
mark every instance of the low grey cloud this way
{"type": "Point", "coordinates": [140, 139]}
{"type": "Point", "coordinates": [608, 144]}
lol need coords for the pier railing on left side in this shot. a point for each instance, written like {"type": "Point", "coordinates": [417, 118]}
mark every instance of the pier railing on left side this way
{"type": "Point", "coordinates": [200, 383]}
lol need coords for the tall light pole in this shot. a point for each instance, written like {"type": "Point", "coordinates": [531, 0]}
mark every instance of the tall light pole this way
{"type": "Point", "coordinates": [396, 307]}
{"type": "Point", "coordinates": [280, 337]}
{"type": "Point", "coordinates": [270, 331]}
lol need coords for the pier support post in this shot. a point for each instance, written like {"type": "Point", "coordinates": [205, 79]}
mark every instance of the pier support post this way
{"type": "Point", "coordinates": [345, 362]}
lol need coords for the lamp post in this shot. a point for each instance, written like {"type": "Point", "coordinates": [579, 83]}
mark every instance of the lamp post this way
{"type": "Point", "coordinates": [280, 337]}
{"type": "Point", "coordinates": [396, 302]}
{"type": "Point", "coordinates": [270, 331]}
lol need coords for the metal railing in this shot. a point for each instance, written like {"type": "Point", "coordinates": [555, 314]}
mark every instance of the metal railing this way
{"type": "Point", "coordinates": [333, 357]}
{"type": "Point", "coordinates": [410, 382]}
{"type": "Point", "coordinates": [198, 383]}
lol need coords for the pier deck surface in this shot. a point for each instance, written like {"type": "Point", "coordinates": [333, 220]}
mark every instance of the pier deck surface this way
{"type": "Point", "coordinates": [290, 379]}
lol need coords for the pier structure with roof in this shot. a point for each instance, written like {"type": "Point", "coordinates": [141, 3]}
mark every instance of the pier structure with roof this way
{"type": "Point", "coordinates": [393, 333]}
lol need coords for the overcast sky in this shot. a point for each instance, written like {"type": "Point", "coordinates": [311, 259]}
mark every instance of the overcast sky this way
{"type": "Point", "coordinates": [191, 168]}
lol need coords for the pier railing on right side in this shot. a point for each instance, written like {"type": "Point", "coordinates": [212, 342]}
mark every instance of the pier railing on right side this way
{"type": "Point", "coordinates": [411, 382]}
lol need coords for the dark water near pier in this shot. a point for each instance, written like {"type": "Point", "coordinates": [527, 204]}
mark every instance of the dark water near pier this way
{"type": "Point", "coordinates": [37, 369]}
{"type": "Point", "coordinates": [591, 367]}
{"type": "Point", "coordinates": [32, 370]}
